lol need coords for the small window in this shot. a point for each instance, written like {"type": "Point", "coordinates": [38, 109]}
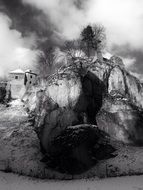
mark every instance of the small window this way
{"type": "Point", "coordinates": [31, 76]}
{"type": "Point", "coordinates": [30, 82]}
{"type": "Point", "coordinates": [16, 77]}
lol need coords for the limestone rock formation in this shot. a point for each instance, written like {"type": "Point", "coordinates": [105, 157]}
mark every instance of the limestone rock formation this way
{"type": "Point", "coordinates": [116, 81]}
{"type": "Point", "coordinates": [64, 114]}
{"type": "Point", "coordinates": [69, 100]}
{"type": "Point", "coordinates": [121, 120]}
{"type": "Point", "coordinates": [75, 95]}
{"type": "Point", "coordinates": [121, 114]}
{"type": "Point", "coordinates": [91, 93]}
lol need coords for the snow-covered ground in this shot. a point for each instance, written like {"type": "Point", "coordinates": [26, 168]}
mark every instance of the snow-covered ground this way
{"type": "Point", "coordinates": [14, 182]}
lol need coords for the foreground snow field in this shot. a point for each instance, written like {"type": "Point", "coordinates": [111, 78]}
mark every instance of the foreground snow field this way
{"type": "Point", "coordinates": [10, 181]}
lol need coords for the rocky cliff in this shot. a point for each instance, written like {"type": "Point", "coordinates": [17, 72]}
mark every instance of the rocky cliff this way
{"type": "Point", "coordinates": [81, 115]}
{"type": "Point", "coordinates": [78, 92]}
{"type": "Point", "coordinates": [92, 93]}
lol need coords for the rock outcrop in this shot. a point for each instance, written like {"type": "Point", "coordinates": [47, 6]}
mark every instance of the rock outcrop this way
{"type": "Point", "coordinates": [121, 120]}
{"type": "Point", "coordinates": [85, 94]}
{"type": "Point", "coordinates": [121, 115]}
{"type": "Point", "coordinates": [68, 102]}
{"type": "Point", "coordinates": [79, 116]}
{"type": "Point", "coordinates": [75, 95]}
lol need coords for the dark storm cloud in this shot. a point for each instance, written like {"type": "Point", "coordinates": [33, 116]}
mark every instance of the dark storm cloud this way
{"type": "Point", "coordinates": [26, 18]}
{"type": "Point", "coordinates": [45, 22]}
{"type": "Point", "coordinates": [24, 29]}
{"type": "Point", "coordinates": [68, 16]}
{"type": "Point", "coordinates": [31, 22]}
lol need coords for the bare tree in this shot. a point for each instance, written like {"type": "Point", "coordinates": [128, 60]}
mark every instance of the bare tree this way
{"type": "Point", "coordinates": [50, 61]}
{"type": "Point", "coordinates": [78, 51]}
{"type": "Point", "coordinates": [74, 51]}
{"type": "Point", "coordinates": [45, 65]}
{"type": "Point", "coordinates": [99, 37]}
{"type": "Point", "coordinates": [76, 56]}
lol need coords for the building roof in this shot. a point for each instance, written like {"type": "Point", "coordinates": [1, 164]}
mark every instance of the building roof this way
{"type": "Point", "coordinates": [17, 71]}
{"type": "Point", "coordinates": [30, 72]}
{"type": "Point", "coordinates": [107, 55]}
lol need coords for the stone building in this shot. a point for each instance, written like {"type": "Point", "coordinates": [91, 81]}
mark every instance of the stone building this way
{"type": "Point", "coordinates": [20, 82]}
{"type": "Point", "coordinates": [29, 79]}
{"type": "Point", "coordinates": [16, 80]}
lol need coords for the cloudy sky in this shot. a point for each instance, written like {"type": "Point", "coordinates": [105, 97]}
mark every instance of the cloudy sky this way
{"type": "Point", "coordinates": [24, 24]}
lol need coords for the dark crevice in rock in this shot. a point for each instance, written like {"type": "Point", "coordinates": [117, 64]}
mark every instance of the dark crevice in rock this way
{"type": "Point", "coordinates": [106, 78]}
{"type": "Point", "coordinates": [90, 101]}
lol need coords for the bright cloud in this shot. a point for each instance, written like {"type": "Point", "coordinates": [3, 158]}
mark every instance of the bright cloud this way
{"type": "Point", "coordinates": [123, 20]}
{"type": "Point", "coordinates": [13, 53]}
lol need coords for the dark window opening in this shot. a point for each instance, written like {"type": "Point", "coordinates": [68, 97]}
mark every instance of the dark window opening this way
{"type": "Point", "coordinates": [16, 77]}
{"type": "Point", "coordinates": [31, 76]}
{"type": "Point", "coordinates": [30, 82]}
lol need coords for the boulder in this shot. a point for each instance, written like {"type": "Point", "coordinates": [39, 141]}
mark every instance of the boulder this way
{"type": "Point", "coordinates": [78, 148]}
{"type": "Point", "coordinates": [116, 61]}
{"type": "Point", "coordinates": [116, 81]}
{"type": "Point", "coordinates": [121, 81]}
{"type": "Point", "coordinates": [134, 90]}
{"type": "Point", "coordinates": [121, 120]}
